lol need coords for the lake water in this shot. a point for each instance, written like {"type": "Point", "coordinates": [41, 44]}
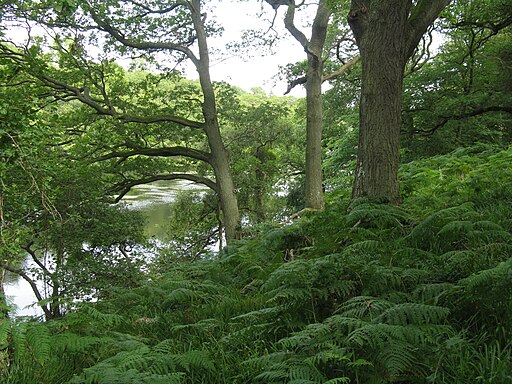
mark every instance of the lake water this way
{"type": "Point", "coordinates": [153, 200]}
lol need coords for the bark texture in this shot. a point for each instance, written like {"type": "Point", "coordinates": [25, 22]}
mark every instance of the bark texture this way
{"type": "Point", "coordinates": [387, 33]}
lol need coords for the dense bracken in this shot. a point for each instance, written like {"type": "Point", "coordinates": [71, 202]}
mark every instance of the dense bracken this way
{"type": "Point", "coordinates": [362, 292]}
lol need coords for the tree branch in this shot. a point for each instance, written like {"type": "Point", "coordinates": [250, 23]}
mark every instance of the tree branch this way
{"type": "Point", "coordinates": [473, 113]}
{"type": "Point", "coordinates": [124, 187]}
{"type": "Point", "coordinates": [82, 95]}
{"type": "Point", "coordinates": [143, 45]}
{"type": "Point", "coordinates": [36, 260]}
{"type": "Point", "coordinates": [102, 107]}
{"type": "Point", "coordinates": [154, 11]}
{"type": "Point", "coordinates": [422, 15]}
{"type": "Point", "coordinates": [339, 72]}
{"type": "Point", "coordinates": [160, 152]}
{"type": "Point", "coordinates": [343, 69]}
{"type": "Point", "coordinates": [32, 284]}
{"type": "Point", "coordinates": [495, 28]}
{"type": "Point", "coordinates": [289, 23]}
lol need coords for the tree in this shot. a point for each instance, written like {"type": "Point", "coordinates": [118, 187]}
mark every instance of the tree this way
{"type": "Point", "coordinates": [53, 208]}
{"type": "Point", "coordinates": [314, 75]}
{"type": "Point", "coordinates": [315, 48]}
{"type": "Point", "coordinates": [387, 34]}
{"type": "Point", "coordinates": [176, 29]}
{"type": "Point", "coordinates": [266, 147]}
{"type": "Point", "coordinates": [472, 104]}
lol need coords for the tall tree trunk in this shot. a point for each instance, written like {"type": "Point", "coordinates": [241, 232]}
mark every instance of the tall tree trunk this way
{"type": "Point", "coordinates": [382, 49]}
{"type": "Point", "coordinates": [314, 126]}
{"type": "Point", "coordinates": [387, 33]}
{"type": "Point", "coordinates": [219, 155]}
{"type": "Point", "coordinates": [314, 76]}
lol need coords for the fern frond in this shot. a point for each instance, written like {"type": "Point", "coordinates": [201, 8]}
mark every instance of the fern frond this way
{"type": "Point", "coordinates": [39, 343]}
{"type": "Point", "coordinates": [180, 296]}
{"type": "Point", "coordinates": [455, 229]}
{"type": "Point", "coordinates": [412, 313]}
{"type": "Point", "coordinates": [195, 360]}
{"type": "Point", "coordinates": [413, 276]}
{"type": "Point", "coordinates": [398, 358]}
{"type": "Point", "coordinates": [378, 335]}
{"type": "Point", "coordinates": [274, 376]}
{"type": "Point", "coordinates": [289, 296]}
{"type": "Point", "coordinates": [363, 307]}
{"type": "Point", "coordinates": [5, 329]}
{"type": "Point", "coordinates": [338, 380]}
{"type": "Point", "coordinates": [365, 246]}
{"type": "Point", "coordinates": [259, 313]}
{"type": "Point", "coordinates": [267, 359]}
{"type": "Point", "coordinates": [305, 373]}
{"type": "Point", "coordinates": [432, 293]}
{"type": "Point", "coordinates": [311, 332]}
{"type": "Point", "coordinates": [136, 359]}
{"type": "Point", "coordinates": [206, 325]}
{"type": "Point", "coordinates": [162, 364]}
{"type": "Point", "coordinates": [18, 340]}
{"type": "Point", "coordinates": [378, 215]}
{"type": "Point", "coordinates": [294, 273]}
{"type": "Point", "coordinates": [488, 277]}
{"type": "Point", "coordinates": [107, 374]}
{"type": "Point", "coordinates": [127, 342]}
{"type": "Point", "coordinates": [71, 342]}
{"type": "Point", "coordinates": [424, 235]}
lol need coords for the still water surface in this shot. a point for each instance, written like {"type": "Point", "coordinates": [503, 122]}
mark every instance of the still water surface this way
{"type": "Point", "coordinates": [153, 200]}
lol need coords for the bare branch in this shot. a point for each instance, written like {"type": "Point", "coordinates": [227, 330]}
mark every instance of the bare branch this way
{"type": "Point", "coordinates": [339, 72]}
{"type": "Point", "coordinates": [289, 23]}
{"type": "Point", "coordinates": [295, 82]}
{"type": "Point", "coordinates": [343, 69]}
{"type": "Point", "coordinates": [422, 15]}
{"type": "Point", "coordinates": [36, 260]}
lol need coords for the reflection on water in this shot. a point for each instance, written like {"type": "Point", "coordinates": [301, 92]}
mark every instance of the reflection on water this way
{"type": "Point", "coordinates": [19, 294]}
{"type": "Point", "coordinates": [153, 200]}
{"type": "Point", "coordinates": [159, 192]}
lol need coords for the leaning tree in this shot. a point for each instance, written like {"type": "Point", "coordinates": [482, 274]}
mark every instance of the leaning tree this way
{"type": "Point", "coordinates": [166, 34]}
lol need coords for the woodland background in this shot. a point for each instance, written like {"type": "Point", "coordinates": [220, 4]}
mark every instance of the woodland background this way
{"type": "Point", "coordinates": [285, 271]}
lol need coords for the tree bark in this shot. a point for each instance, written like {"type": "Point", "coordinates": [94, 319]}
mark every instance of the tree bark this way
{"type": "Point", "coordinates": [387, 34]}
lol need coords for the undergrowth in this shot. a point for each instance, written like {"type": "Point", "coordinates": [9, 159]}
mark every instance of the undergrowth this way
{"type": "Point", "coordinates": [362, 292]}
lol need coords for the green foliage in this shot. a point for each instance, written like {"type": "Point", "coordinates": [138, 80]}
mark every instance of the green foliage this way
{"type": "Point", "coordinates": [362, 292]}
{"type": "Point", "coordinates": [359, 293]}
{"type": "Point", "coordinates": [458, 98]}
